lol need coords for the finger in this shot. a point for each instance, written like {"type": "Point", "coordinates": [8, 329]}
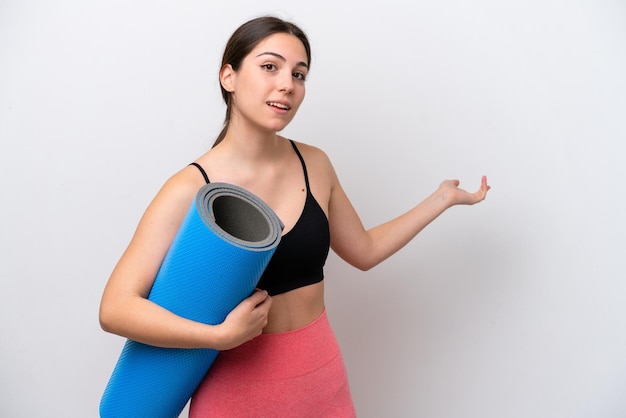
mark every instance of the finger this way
{"type": "Point", "coordinates": [257, 297]}
{"type": "Point", "coordinates": [265, 305]}
{"type": "Point", "coordinates": [484, 184]}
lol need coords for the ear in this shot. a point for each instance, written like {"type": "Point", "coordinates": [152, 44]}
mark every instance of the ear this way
{"type": "Point", "coordinates": [227, 78]}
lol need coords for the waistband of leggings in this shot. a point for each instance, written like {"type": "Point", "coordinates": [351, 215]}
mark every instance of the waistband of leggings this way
{"type": "Point", "coordinates": [285, 354]}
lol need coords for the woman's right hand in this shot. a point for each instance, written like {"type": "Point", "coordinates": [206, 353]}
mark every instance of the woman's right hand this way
{"type": "Point", "coordinates": [245, 321]}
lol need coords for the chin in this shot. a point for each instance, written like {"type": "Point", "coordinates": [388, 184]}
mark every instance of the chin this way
{"type": "Point", "coordinates": [278, 127]}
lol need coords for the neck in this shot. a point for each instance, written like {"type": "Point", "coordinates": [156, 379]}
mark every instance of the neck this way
{"type": "Point", "coordinates": [251, 144]}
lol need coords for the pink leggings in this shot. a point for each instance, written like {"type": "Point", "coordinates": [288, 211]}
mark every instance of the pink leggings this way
{"type": "Point", "coordinates": [292, 374]}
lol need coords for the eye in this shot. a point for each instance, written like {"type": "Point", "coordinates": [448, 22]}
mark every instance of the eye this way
{"type": "Point", "coordinates": [268, 67]}
{"type": "Point", "coordinates": [300, 76]}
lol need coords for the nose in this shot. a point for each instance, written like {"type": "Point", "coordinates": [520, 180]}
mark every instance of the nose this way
{"type": "Point", "coordinates": [286, 83]}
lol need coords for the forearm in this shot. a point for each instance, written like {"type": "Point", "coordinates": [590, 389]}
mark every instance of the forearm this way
{"type": "Point", "coordinates": [386, 239]}
{"type": "Point", "coordinates": [142, 320]}
{"type": "Point", "coordinates": [365, 249]}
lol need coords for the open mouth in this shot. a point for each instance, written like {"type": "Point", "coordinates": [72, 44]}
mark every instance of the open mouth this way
{"type": "Point", "coordinates": [279, 105]}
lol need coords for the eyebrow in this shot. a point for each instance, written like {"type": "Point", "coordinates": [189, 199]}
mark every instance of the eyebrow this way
{"type": "Point", "coordinates": [280, 57]}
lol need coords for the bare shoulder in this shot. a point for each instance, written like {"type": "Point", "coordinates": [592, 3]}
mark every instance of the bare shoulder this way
{"type": "Point", "coordinates": [182, 185]}
{"type": "Point", "coordinates": [316, 159]}
{"type": "Point", "coordinates": [174, 198]}
{"type": "Point", "coordinates": [322, 177]}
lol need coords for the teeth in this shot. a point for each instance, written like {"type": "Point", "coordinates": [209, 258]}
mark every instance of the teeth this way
{"type": "Point", "coordinates": [278, 105]}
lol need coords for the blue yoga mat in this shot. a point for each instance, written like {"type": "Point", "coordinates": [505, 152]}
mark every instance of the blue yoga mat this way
{"type": "Point", "coordinates": [215, 261]}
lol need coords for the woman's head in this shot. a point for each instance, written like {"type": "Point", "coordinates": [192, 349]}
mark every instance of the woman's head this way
{"type": "Point", "coordinates": [244, 40]}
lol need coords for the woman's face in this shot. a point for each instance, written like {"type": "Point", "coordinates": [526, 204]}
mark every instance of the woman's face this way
{"type": "Point", "coordinates": [268, 88]}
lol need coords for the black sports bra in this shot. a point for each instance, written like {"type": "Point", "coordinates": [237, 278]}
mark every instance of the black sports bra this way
{"type": "Point", "coordinates": [301, 254]}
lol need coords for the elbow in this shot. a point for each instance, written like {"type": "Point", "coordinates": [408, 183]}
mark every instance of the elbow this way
{"type": "Point", "coordinates": [362, 255]}
{"type": "Point", "coordinates": [105, 321]}
{"type": "Point", "coordinates": [107, 318]}
{"type": "Point", "coordinates": [363, 265]}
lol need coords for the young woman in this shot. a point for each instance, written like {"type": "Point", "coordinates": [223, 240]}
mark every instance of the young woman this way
{"type": "Point", "coordinates": [279, 355]}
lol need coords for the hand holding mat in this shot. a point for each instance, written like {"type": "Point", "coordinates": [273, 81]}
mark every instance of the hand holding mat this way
{"type": "Point", "coordinates": [215, 261]}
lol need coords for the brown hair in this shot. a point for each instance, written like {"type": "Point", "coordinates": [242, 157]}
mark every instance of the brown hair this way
{"type": "Point", "coordinates": [244, 40]}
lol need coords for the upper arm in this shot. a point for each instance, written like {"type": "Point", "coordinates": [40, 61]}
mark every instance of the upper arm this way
{"type": "Point", "coordinates": [348, 237]}
{"type": "Point", "coordinates": [135, 271]}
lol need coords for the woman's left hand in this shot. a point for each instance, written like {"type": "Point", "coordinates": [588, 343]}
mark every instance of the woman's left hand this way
{"type": "Point", "coordinates": [457, 196]}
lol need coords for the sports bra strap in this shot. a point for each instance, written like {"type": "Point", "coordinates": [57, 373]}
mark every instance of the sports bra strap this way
{"type": "Point", "coordinates": [199, 167]}
{"type": "Point", "coordinates": [306, 176]}
{"type": "Point", "coordinates": [293, 144]}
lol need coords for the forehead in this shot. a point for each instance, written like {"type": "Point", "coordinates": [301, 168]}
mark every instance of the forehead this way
{"type": "Point", "coordinates": [284, 44]}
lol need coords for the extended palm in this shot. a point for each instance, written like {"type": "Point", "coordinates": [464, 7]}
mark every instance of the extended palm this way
{"type": "Point", "coordinates": [458, 196]}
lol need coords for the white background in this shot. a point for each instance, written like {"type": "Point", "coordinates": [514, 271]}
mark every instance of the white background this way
{"type": "Point", "coordinates": [512, 308]}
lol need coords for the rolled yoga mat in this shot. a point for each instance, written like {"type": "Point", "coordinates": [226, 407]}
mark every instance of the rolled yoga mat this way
{"type": "Point", "coordinates": [215, 261]}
